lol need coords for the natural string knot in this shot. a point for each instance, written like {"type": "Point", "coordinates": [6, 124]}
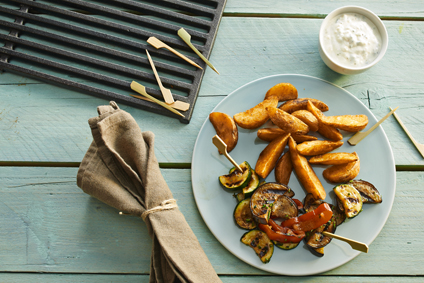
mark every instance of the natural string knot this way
{"type": "Point", "coordinates": [165, 205]}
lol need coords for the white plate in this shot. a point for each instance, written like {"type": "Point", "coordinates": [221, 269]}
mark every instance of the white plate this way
{"type": "Point", "coordinates": [217, 205]}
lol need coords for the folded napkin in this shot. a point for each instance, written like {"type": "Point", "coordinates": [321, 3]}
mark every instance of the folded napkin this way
{"type": "Point", "coordinates": [120, 169]}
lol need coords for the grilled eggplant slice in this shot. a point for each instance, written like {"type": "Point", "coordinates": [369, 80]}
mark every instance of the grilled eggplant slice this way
{"type": "Point", "coordinates": [316, 239]}
{"type": "Point", "coordinates": [338, 215]}
{"type": "Point", "coordinates": [262, 200]}
{"type": "Point", "coordinates": [243, 216]}
{"type": "Point", "coordinates": [260, 243]}
{"type": "Point", "coordinates": [369, 193]}
{"type": "Point", "coordinates": [318, 252]}
{"type": "Point", "coordinates": [310, 203]}
{"type": "Point", "coordinates": [236, 180]}
{"type": "Point", "coordinates": [350, 198]}
{"type": "Point", "coordinates": [284, 207]}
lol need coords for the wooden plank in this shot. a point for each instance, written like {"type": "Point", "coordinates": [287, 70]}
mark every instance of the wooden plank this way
{"type": "Point", "coordinates": [93, 278]}
{"type": "Point", "coordinates": [390, 8]}
{"type": "Point", "coordinates": [245, 50]}
{"type": "Point", "coordinates": [50, 225]}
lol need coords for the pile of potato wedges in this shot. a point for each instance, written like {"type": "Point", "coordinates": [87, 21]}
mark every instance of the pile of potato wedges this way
{"type": "Point", "coordinates": [293, 121]}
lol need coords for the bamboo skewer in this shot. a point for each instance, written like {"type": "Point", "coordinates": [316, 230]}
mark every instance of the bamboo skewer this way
{"type": "Point", "coordinates": [167, 95]}
{"type": "Point", "coordinates": [142, 90]}
{"type": "Point", "coordinates": [356, 138]}
{"type": "Point", "coordinates": [354, 244]}
{"type": "Point", "coordinates": [159, 44]}
{"type": "Point", "coordinates": [420, 147]}
{"type": "Point", "coordinates": [222, 147]}
{"type": "Point", "coordinates": [187, 37]}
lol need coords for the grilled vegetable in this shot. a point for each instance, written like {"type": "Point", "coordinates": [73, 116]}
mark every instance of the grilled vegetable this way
{"type": "Point", "coordinates": [282, 234]}
{"type": "Point", "coordinates": [243, 216]}
{"type": "Point", "coordinates": [236, 180]}
{"type": "Point", "coordinates": [260, 243]}
{"type": "Point", "coordinates": [310, 203]}
{"type": "Point", "coordinates": [338, 215]}
{"type": "Point", "coordinates": [285, 246]}
{"type": "Point", "coordinates": [367, 190]}
{"type": "Point", "coordinates": [316, 239]}
{"type": "Point", "coordinates": [318, 252]}
{"type": "Point", "coordinates": [252, 186]}
{"type": "Point", "coordinates": [239, 196]}
{"type": "Point", "coordinates": [350, 198]}
{"type": "Point", "coordinates": [284, 207]}
{"type": "Point", "coordinates": [310, 220]}
{"type": "Point", "coordinates": [263, 199]}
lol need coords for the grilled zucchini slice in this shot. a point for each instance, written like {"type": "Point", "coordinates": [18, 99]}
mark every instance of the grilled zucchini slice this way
{"type": "Point", "coordinates": [260, 243]}
{"type": "Point", "coordinates": [285, 246]}
{"type": "Point", "coordinates": [243, 215]}
{"type": "Point", "coordinates": [253, 184]}
{"type": "Point", "coordinates": [350, 199]}
{"type": "Point", "coordinates": [235, 179]}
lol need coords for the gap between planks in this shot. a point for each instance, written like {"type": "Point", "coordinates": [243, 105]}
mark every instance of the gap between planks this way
{"type": "Point", "coordinates": [77, 164]}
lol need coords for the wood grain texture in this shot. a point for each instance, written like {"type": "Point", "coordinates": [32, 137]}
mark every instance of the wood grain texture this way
{"type": "Point", "coordinates": [41, 122]}
{"type": "Point", "coordinates": [49, 225]}
{"type": "Point", "coordinates": [101, 278]}
{"type": "Point", "coordinates": [390, 8]}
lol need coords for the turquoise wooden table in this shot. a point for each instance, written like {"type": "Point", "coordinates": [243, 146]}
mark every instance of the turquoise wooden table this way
{"type": "Point", "coordinates": [51, 231]}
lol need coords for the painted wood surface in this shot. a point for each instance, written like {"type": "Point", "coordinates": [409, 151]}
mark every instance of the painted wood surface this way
{"type": "Point", "coordinates": [41, 122]}
{"type": "Point", "coordinates": [50, 225]}
{"type": "Point", "coordinates": [71, 278]}
{"type": "Point", "coordinates": [389, 8]}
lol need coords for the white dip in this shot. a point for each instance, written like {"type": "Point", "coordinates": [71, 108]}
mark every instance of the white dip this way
{"type": "Point", "coordinates": [352, 40]}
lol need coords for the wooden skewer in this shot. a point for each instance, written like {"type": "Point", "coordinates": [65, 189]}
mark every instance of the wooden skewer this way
{"type": "Point", "coordinates": [419, 146]}
{"type": "Point", "coordinates": [354, 244]}
{"type": "Point", "coordinates": [167, 95]}
{"type": "Point", "coordinates": [159, 44]}
{"type": "Point", "coordinates": [187, 37]}
{"type": "Point", "coordinates": [142, 90]}
{"type": "Point", "coordinates": [356, 138]}
{"type": "Point", "coordinates": [222, 147]}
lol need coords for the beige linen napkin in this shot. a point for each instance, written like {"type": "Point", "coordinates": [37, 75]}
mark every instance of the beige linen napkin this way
{"type": "Point", "coordinates": [120, 169]}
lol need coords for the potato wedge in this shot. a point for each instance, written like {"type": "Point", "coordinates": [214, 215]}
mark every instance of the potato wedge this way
{"type": "Point", "coordinates": [269, 134]}
{"type": "Point", "coordinates": [308, 118]}
{"type": "Point", "coordinates": [334, 158]}
{"type": "Point", "coordinates": [225, 128]}
{"type": "Point", "coordinates": [329, 132]}
{"type": "Point", "coordinates": [325, 130]}
{"type": "Point", "coordinates": [342, 173]}
{"type": "Point", "coordinates": [287, 122]}
{"type": "Point", "coordinates": [305, 173]}
{"type": "Point", "coordinates": [310, 148]}
{"type": "Point", "coordinates": [301, 104]}
{"type": "Point", "coordinates": [269, 156]}
{"type": "Point", "coordinates": [256, 116]}
{"type": "Point", "coordinates": [349, 123]}
{"type": "Point", "coordinates": [283, 169]}
{"type": "Point", "coordinates": [283, 91]}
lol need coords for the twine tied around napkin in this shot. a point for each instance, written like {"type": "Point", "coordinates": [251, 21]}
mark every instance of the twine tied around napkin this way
{"type": "Point", "coordinates": [120, 168]}
{"type": "Point", "coordinates": [166, 204]}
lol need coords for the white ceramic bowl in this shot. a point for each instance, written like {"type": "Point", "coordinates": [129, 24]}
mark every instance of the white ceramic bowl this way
{"type": "Point", "coordinates": [347, 70]}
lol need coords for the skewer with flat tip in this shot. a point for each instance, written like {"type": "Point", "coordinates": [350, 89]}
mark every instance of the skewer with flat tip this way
{"type": "Point", "coordinates": [222, 147]}
{"type": "Point", "coordinates": [187, 37]}
{"type": "Point", "coordinates": [156, 43]}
